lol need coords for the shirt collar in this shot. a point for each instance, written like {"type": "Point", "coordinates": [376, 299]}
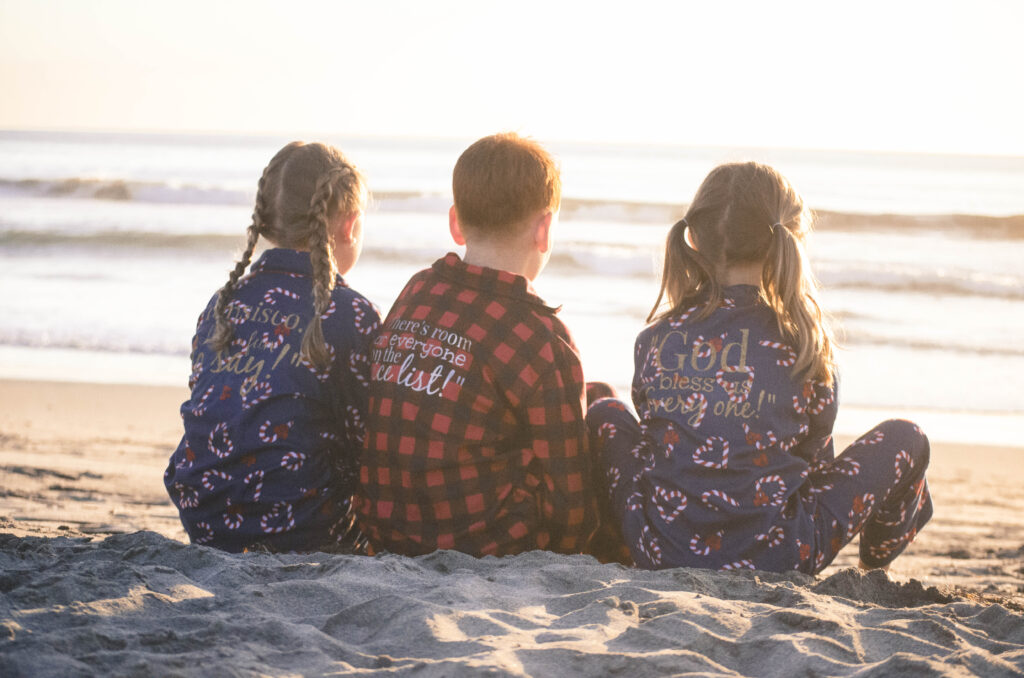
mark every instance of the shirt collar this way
{"type": "Point", "coordinates": [489, 280]}
{"type": "Point", "coordinates": [282, 260]}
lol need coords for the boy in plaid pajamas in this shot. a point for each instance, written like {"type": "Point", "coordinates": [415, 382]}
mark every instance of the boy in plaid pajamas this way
{"type": "Point", "coordinates": [476, 433]}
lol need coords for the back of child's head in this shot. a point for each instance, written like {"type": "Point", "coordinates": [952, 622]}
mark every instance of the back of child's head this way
{"type": "Point", "coordinates": [303, 188]}
{"type": "Point", "coordinates": [500, 181]}
{"type": "Point", "coordinates": [748, 213]}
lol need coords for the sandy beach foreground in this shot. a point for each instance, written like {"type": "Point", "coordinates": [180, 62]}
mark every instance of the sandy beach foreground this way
{"type": "Point", "coordinates": [95, 580]}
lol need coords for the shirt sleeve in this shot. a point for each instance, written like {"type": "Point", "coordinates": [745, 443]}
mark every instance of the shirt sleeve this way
{"type": "Point", "coordinates": [353, 371]}
{"type": "Point", "coordinates": [555, 410]}
{"type": "Point", "coordinates": [819, 446]}
{"type": "Point", "coordinates": [638, 392]}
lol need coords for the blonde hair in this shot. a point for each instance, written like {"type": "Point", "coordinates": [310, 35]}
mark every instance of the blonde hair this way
{"type": "Point", "coordinates": [501, 180]}
{"type": "Point", "coordinates": [749, 213]}
{"type": "Point", "coordinates": [302, 188]}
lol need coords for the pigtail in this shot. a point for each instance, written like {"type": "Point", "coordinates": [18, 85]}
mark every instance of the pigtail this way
{"type": "Point", "coordinates": [321, 255]}
{"type": "Point", "coordinates": [790, 290]}
{"type": "Point", "coordinates": [223, 333]}
{"type": "Point", "coordinates": [685, 274]}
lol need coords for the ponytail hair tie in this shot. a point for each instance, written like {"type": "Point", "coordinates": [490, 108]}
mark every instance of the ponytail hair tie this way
{"type": "Point", "coordinates": [776, 226]}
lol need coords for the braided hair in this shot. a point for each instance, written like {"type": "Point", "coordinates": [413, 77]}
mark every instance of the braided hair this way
{"type": "Point", "coordinates": [302, 189]}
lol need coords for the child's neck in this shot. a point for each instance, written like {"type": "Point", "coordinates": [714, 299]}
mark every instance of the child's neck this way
{"type": "Point", "coordinates": [743, 274]}
{"type": "Point", "coordinates": [501, 257]}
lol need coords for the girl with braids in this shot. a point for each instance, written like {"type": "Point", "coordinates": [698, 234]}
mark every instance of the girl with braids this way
{"type": "Point", "coordinates": [731, 464]}
{"type": "Point", "coordinates": [279, 371]}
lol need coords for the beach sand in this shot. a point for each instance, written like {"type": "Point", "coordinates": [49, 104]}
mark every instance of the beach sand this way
{"type": "Point", "coordinates": [95, 579]}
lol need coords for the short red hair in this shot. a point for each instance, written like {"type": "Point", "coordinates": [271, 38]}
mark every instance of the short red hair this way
{"type": "Point", "coordinates": [501, 180]}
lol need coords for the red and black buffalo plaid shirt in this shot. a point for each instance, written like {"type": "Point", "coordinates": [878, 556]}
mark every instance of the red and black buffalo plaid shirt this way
{"type": "Point", "coordinates": [476, 438]}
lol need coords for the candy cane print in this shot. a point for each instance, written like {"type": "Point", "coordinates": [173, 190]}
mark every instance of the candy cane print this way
{"type": "Point", "coordinates": [292, 461]}
{"type": "Point", "coordinates": [902, 455]}
{"type": "Point", "coordinates": [635, 502]}
{"type": "Point", "coordinates": [744, 564]}
{"type": "Point", "coordinates": [886, 548]}
{"type": "Point", "coordinates": [331, 308]}
{"type": "Point", "coordinates": [200, 408]}
{"type": "Point", "coordinates": [819, 489]}
{"type": "Point", "coordinates": [802, 401]}
{"type": "Point", "coordinates": [705, 499]}
{"type": "Point", "coordinates": [213, 473]}
{"type": "Point", "coordinates": [360, 308]}
{"type": "Point", "coordinates": [773, 537]}
{"type": "Point", "coordinates": [873, 439]}
{"type": "Point", "coordinates": [237, 312]}
{"type": "Point", "coordinates": [275, 514]}
{"type": "Point", "coordinates": [359, 366]}
{"type": "Point", "coordinates": [727, 302]}
{"type": "Point", "coordinates": [703, 348]}
{"type": "Point", "coordinates": [606, 431]}
{"type": "Point", "coordinates": [858, 515]}
{"type": "Point", "coordinates": [254, 392]}
{"type": "Point", "coordinates": [188, 497]}
{"type": "Point", "coordinates": [703, 547]}
{"type": "Point", "coordinates": [652, 362]}
{"type": "Point", "coordinates": [197, 371]}
{"type": "Point", "coordinates": [823, 401]}
{"type": "Point", "coordinates": [269, 295]}
{"type": "Point", "coordinates": [614, 476]}
{"type": "Point", "coordinates": [738, 391]}
{"type": "Point", "coordinates": [671, 498]}
{"type": "Point", "coordinates": [208, 537]}
{"type": "Point", "coordinates": [649, 545]}
{"type": "Point", "coordinates": [226, 447]}
{"type": "Point", "coordinates": [790, 358]}
{"type": "Point", "coordinates": [760, 441]}
{"type": "Point", "coordinates": [233, 517]}
{"type": "Point", "coordinates": [677, 321]}
{"type": "Point", "coordinates": [846, 467]}
{"type": "Point", "coordinates": [255, 481]}
{"type": "Point", "coordinates": [893, 523]}
{"type": "Point", "coordinates": [708, 446]}
{"type": "Point", "coordinates": [775, 498]}
{"type": "Point", "coordinates": [322, 374]}
{"type": "Point", "coordinates": [272, 435]}
{"type": "Point", "coordinates": [696, 401]}
{"type": "Point", "coordinates": [272, 340]}
{"type": "Point", "coordinates": [787, 445]}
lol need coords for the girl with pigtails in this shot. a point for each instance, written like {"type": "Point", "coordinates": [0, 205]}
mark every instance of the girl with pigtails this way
{"type": "Point", "coordinates": [273, 428]}
{"type": "Point", "coordinates": [731, 464]}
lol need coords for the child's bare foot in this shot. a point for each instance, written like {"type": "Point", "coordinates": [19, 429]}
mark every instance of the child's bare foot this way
{"type": "Point", "coordinates": [861, 565]}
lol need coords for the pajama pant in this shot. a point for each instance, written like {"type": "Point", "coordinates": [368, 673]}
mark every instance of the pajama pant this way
{"type": "Point", "coordinates": [875, 488]}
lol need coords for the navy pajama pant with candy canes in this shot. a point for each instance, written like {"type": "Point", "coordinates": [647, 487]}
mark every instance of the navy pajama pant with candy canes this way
{"type": "Point", "coordinates": [875, 488]}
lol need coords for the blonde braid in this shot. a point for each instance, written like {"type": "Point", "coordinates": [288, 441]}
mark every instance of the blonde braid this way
{"type": "Point", "coordinates": [222, 335]}
{"type": "Point", "coordinates": [321, 256]}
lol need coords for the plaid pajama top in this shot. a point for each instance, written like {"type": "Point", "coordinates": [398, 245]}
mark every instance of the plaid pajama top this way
{"type": "Point", "coordinates": [476, 439]}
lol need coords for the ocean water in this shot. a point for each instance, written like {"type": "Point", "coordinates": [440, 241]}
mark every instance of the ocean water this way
{"type": "Point", "coordinates": [111, 244]}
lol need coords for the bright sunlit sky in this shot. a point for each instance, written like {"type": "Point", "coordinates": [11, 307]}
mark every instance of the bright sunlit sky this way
{"type": "Point", "coordinates": [885, 75]}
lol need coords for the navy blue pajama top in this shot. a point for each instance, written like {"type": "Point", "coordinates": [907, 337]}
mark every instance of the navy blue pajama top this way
{"type": "Point", "coordinates": [271, 444]}
{"type": "Point", "coordinates": [730, 433]}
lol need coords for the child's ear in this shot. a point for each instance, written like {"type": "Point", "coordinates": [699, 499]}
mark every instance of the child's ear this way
{"type": "Point", "coordinates": [343, 226]}
{"type": "Point", "coordinates": [542, 232]}
{"type": "Point", "coordinates": [453, 226]}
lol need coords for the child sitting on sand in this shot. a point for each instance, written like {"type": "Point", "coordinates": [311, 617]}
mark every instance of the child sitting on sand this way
{"type": "Point", "coordinates": [731, 464]}
{"type": "Point", "coordinates": [279, 371]}
{"type": "Point", "coordinates": [476, 438]}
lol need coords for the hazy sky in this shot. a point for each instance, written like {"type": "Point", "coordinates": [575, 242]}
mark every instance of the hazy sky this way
{"type": "Point", "coordinates": [890, 75]}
